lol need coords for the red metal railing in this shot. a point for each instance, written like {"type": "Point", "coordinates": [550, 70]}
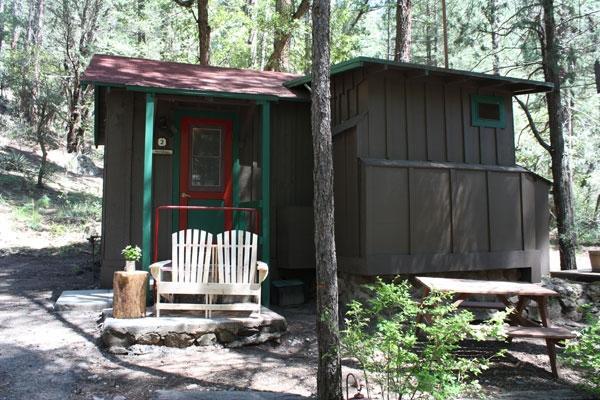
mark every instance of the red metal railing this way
{"type": "Point", "coordinates": [252, 211]}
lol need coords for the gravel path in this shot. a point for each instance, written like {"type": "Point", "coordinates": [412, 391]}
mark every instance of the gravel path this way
{"type": "Point", "coordinates": [46, 355]}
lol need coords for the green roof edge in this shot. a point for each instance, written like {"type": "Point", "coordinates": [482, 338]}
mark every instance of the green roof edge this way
{"type": "Point", "coordinates": [358, 62]}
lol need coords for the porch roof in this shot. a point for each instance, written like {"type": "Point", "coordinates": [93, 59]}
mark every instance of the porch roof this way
{"type": "Point", "coordinates": [153, 75]}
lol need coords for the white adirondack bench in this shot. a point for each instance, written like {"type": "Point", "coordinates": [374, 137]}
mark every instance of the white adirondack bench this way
{"type": "Point", "coordinates": [199, 267]}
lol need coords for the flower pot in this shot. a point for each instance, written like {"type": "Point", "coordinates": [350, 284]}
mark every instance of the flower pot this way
{"type": "Point", "coordinates": [129, 266]}
{"type": "Point", "coordinates": [595, 260]}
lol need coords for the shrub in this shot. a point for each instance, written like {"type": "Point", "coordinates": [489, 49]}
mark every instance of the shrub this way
{"type": "Point", "coordinates": [14, 161]}
{"type": "Point", "coordinates": [132, 253]}
{"type": "Point", "coordinates": [584, 354]}
{"type": "Point", "coordinates": [405, 357]}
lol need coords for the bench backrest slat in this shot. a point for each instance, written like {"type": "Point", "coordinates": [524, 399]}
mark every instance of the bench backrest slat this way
{"type": "Point", "coordinates": [236, 257]}
{"type": "Point", "coordinates": [191, 255]}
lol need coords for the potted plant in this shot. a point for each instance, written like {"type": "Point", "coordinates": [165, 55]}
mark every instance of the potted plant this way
{"type": "Point", "coordinates": [594, 254]}
{"type": "Point", "coordinates": [131, 255]}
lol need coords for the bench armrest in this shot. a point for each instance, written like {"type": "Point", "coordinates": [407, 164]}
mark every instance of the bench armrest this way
{"type": "Point", "coordinates": [263, 271]}
{"type": "Point", "coordinates": [157, 268]}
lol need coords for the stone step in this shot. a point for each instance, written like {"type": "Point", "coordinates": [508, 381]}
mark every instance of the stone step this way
{"type": "Point", "coordinates": [84, 300]}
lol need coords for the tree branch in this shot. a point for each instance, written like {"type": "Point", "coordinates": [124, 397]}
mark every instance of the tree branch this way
{"type": "Point", "coordinates": [185, 3]}
{"type": "Point", "coordinates": [533, 126]}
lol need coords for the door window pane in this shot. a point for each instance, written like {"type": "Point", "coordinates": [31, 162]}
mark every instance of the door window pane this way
{"type": "Point", "coordinates": [206, 161]}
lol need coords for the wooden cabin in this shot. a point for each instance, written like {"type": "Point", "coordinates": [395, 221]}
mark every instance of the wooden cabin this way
{"type": "Point", "coordinates": [424, 160]}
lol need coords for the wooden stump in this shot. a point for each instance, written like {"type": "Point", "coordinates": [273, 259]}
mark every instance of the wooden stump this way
{"type": "Point", "coordinates": [129, 294]}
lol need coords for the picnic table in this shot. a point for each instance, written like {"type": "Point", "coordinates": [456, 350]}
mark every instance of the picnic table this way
{"type": "Point", "coordinates": [503, 291]}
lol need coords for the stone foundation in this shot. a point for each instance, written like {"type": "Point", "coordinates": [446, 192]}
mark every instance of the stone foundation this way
{"type": "Point", "coordinates": [573, 295]}
{"type": "Point", "coordinates": [185, 331]}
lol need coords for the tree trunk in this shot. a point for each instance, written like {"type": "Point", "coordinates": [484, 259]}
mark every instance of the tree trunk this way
{"type": "Point", "coordinates": [329, 375]}
{"type": "Point", "coordinates": [203, 33]}
{"type": "Point", "coordinates": [403, 30]}
{"type": "Point", "coordinates": [493, 21]}
{"type": "Point", "coordinates": [129, 294]}
{"type": "Point", "coordinates": [2, 18]}
{"type": "Point", "coordinates": [283, 33]}
{"type": "Point", "coordinates": [43, 161]}
{"type": "Point", "coordinates": [561, 170]}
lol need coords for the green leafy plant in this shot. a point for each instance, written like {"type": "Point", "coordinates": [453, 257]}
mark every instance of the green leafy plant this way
{"type": "Point", "coordinates": [404, 355]}
{"type": "Point", "coordinates": [14, 161]}
{"type": "Point", "coordinates": [583, 353]}
{"type": "Point", "coordinates": [132, 253]}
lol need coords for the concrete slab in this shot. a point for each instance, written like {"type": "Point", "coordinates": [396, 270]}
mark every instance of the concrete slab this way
{"type": "Point", "coordinates": [223, 395]}
{"type": "Point", "coordinates": [84, 300]}
{"type": "Point", "coordinates": [189, 330]}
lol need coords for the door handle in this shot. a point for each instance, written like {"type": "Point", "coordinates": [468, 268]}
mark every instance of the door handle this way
{"type": "Point", "coordinates": [185, 195]}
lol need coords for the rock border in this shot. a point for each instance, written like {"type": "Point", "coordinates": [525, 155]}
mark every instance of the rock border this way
{"type": "Point", "coordinates": [184, 331]}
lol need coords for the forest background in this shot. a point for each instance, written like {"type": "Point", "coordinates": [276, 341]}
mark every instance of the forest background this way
{"type": "Point", "coordinates": [46, 44]}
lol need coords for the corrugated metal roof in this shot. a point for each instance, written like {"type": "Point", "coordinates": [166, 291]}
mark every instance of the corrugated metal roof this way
{"type": "Point", "coordinates": [152, 74]}
{"type": "Point", "coordinates": [514, 85]}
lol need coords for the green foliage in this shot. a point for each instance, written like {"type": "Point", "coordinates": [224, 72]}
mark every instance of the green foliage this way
{"type": "Point", "coordinates": [404, 356]}
{"type": "Point", "coordinates": [584, 353]}
{"type": "Point", "coordinates": [14, 161]}
{"type": "Point", "coordinates": [132, 253]}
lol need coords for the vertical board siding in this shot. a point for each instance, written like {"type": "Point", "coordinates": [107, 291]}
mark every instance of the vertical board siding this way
{"type": "Point", "coordinates": [117, 176]}
{"type": "Point", "coordinates": [542, 222]}
{"type": "Point", "coordinates": [436, 131]}
{"type": "Point", "coordinates": [418, 119]}
{"type": "Point", "coordinates": [471, 133]}
{"type": "Point", "coordinates": [505, 211]}
{"type": "Point", "coordinates": [415, 120]}
{"type": "Point", "coordinates": [396, 119]}
{"type": "Point", "coordinates": [430, 230]}
{"type": "Point", "coordinates": [487, 143]}
{"type": "Point", "coordinates": [528, 205]}
{"type": "Point", "coordinates": [340, 193]}
{"type": "Point", "coordinates": [454, 124]}
{"type": "Point", "coordinates": [505, 137]}
{"type": "Point", "coordinates": [377, 117]}
{"type": "Point", "coordinates": [469, 212]}
{"type": "Point", "coordinates": [387, 211]}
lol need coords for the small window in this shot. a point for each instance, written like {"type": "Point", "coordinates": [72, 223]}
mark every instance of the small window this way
{"type": "Point", "coordinates": [488, 111]}
{"type": "Point", "coordinates": [206, 166]}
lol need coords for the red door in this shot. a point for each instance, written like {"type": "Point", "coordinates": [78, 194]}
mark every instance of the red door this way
{"type": "Point", "coordinates": [205, 173]}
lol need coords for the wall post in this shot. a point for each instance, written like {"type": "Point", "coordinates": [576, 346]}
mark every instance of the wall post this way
{"type": "Point", "coordinates": [266, 200]}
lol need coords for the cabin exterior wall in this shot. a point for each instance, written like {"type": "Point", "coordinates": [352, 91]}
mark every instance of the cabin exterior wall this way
{"type": "Point", "coordinates": [418, 189]}
{"type": "Point", "coordinates": [122, 133]}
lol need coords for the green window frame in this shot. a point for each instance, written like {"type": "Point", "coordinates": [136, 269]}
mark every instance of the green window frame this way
{"type": "Point", "coordinates": [477, 120]}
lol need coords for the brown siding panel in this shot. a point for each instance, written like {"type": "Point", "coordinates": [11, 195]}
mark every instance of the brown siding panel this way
{"type": "Point", "coordinates": [436, 135]}
{"type": "Point", "coordinates": [505, 211]}
{"type": "Point", "coordinates": [454, 124]}
{"type": "Point", "coordinates": [471, 133]}
{"type": "Point", "coordinates": [415, 120]}
{"type": "Point", "coordinates": [396, 119]}
{"type": "Point", "coordinates": [505, 138]}
{"type": "Point", "coordinates": [487, 141]}
{"type": "Point", "coordinates": [429, 211]}
{"type": "Point", "coordinates": [469, 212]}
{"type": "Point", "coordinates": [528, 203]}
{"type": "Point", "coordinates": [377, 122]}
{"type": "Point", "coordinates": [387, 230]}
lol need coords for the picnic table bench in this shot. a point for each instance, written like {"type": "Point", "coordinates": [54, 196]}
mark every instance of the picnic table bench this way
{"type": "Point", "coordinates": [521, 326]}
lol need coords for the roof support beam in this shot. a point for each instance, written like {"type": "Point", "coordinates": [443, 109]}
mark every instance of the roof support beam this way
{"type": "Point", "coordinates": [147, 182]}
{"type": "Point", "coordinates": [266, 194]}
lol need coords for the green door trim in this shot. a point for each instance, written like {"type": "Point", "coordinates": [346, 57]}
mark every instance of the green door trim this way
{"type": "Point", "coordinates": [147, 196]}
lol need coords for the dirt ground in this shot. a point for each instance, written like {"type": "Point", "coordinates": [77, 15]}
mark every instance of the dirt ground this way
{"type": "Point", "coordinates": [45, 355]}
